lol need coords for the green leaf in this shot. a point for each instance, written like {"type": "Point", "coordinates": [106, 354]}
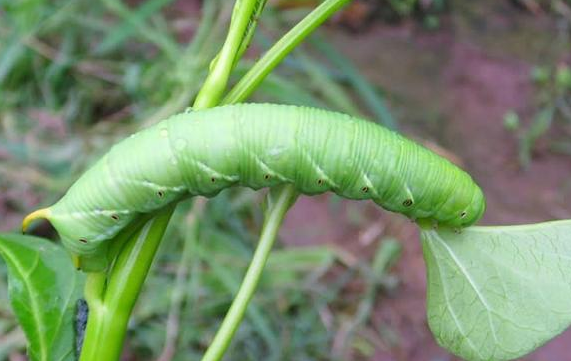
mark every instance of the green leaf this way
{"type": "Point", "coordinates": [497, 293]}
{"type": "Point", "coordinates": [44, 287]}
{"type": "Point", "coordinates": [541, 124]}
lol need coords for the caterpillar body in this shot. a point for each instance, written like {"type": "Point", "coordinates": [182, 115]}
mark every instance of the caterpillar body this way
{"type": "Point", "coordinates": [259, 145]}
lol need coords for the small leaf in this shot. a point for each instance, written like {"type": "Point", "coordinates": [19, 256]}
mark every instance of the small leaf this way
{"type": "Point", "coordinates": [540, 74]}
{"type": "Point", "coordinates": [540, 125]}
{"type": "Point", "coordinates": [563, 77]}
{"type": "Point", "coordinates": [497, 293]}
{"type": "Point", "coordinates": [43, 288]}
{"type": "Point", "coordinates": [511, 120]}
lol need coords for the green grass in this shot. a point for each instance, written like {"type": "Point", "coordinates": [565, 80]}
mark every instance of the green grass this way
{"type": "Point", "coordinates": [551, 123]}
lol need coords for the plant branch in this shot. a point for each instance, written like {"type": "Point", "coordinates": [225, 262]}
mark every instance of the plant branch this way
{"type": "Point", "coordinates": [178, 294]}
{"type": "Point", "coordinates": [276, 210]}
{"type": "Point", "coordinates": [111, 296]}
{"type": "Point", "coordinates": [281, 49]}
{"type": "Point", "coordinates": [215, 83]}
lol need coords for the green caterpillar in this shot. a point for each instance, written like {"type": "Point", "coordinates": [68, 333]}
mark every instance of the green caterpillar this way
{"type": "Point", "coordinates": [259, 145]}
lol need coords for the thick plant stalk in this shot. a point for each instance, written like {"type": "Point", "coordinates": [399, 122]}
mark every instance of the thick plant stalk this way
{"type": "Point", "coordinates": [111, 297]}
{"type": "Point", "coordinates": [275, 212]}
{"type": "Point", "coordinates": [215, 83]}
{"type": "Point", "coordinates": [178, 293]}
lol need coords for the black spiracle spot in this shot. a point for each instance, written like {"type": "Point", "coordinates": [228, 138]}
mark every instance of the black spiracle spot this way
{"type": "Point", "coordinates": [160, 194]}
{"type": "Point", "coordinates": [463, 214]}
{"type": "Point", "coordinates": [115, 217]}
{"type": "Point", "coordinates": [213, 180]}
{"type": "Point", "coordinates": [267, 177]}
{"type": "Point", "coordinates": [320, 182]}
{"type": "Point", "coordinates": [407, 202]}
{"type": "Point", "coordinates": [365, 189]}
{"type": "Point", "coordinates": [83, 240]}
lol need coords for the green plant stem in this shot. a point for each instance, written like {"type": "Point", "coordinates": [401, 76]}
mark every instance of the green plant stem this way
{"type": "Point", "coordinates": [281, 49]}
{"type": "Point", "coordinates": [275, 213]}
{"type": "Point", "coordinates": [111, 297]}
{"type": "Point", "coordinates": [215, 83]}
{"type": "Point", "coordinates": [179, 293]}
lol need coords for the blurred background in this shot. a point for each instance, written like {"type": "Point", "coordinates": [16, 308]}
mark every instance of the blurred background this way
{"type": "Point", "coordinates": [485, 83]}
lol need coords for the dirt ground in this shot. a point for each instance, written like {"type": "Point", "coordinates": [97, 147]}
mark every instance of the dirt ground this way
{"type": "Point", "coordinates": [450, 87]}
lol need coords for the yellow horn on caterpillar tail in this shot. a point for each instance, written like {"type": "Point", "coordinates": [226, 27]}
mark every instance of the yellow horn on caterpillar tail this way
{"type": "Point", "coordinates": [43, 213]}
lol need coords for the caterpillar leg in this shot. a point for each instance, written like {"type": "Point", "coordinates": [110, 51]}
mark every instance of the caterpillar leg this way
{"type": "Point", "coordinates": [427, 223]}
{"type": "Point", "coordinates": [75, 260]}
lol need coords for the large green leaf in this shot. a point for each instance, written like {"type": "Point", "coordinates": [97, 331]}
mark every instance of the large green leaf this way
{"type": "Point", "coordinates": [44, 287]}
{"type": "Point", "coordinates": [497, 293]}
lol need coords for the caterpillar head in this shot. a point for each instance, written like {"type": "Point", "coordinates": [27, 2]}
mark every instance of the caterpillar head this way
{"type": "Point", "coordinates": [470, 213]}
